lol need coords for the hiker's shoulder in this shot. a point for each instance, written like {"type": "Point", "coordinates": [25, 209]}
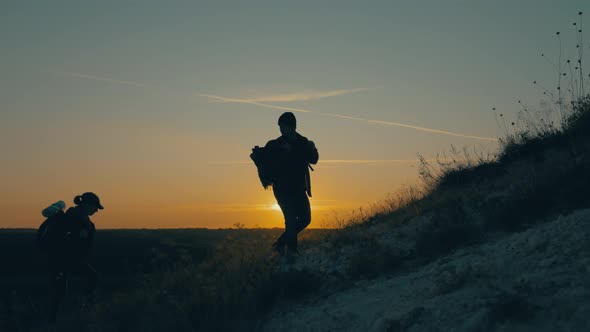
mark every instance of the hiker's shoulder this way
{"type": "Point", "coordinates": [302, 138]}
{"type": "Point", "coordinates": [78, 215]}
{"type": "Point", "coordinates": [273, 142]}
{"type": "Point", "coordinates": [72, 213]}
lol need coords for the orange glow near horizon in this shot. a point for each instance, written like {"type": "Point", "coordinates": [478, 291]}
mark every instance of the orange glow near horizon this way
{"type": "Point", "coordinates": [157, 112]}
{"type": "Point", "coordinates": [146, 179]}
{"type": "Point", "coordinates": [142, 203]}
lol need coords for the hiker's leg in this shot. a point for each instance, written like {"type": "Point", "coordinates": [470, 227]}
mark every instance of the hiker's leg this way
{"type": "Point", "coordinates": [279, 245]}
{"type": "Point", "coordinates": [284, 205]}
{"type": "Point", "coordinates": [280, 240]}
{"type": "Point", "coordinates": [298, 218]}
{"type": "Point", "coordinates": [303, 212]}
{"type": "Point", "coordinates": [291, 221]}
{"type": "Point", "coordinates": [87, 272]}
{"type": "Point", "coordinates": [58, 288]}
{"type": "Point", "coordinates": [287, 202]}
{"type": "Point", "coordinates": [291, 235]}
{"type": "Point", "coordinates": [91, 278]}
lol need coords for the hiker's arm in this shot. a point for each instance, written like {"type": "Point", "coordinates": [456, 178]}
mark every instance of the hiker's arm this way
{"type": "Point", "coordinates": [91, 236]}
{"type": "Point", "coordinates": [89, 241]}
{"type": "Point", "coordinates": [312, 153]}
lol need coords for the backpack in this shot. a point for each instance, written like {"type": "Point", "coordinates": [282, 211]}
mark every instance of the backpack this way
{"type": "Point", "coordinates": [52, 233]}
{"type": "Point", "coordinates": [264, 164]}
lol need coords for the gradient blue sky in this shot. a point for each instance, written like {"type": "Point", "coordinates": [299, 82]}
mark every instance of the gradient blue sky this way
{"type": "Point", "coordinates": [110, 96]}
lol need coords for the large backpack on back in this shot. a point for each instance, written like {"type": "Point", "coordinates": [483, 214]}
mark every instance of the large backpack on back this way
{"type": "Point", "coordinates": [52, 234]}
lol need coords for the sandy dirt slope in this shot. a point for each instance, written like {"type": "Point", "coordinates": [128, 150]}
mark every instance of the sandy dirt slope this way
{"type": "Point", "coordinates": [535, 280]}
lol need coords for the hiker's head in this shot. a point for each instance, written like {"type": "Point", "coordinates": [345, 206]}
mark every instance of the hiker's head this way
{"type": "Point", "coordinates": [89, 202]}
{"type": "Point", "coordinates": [287, 123]}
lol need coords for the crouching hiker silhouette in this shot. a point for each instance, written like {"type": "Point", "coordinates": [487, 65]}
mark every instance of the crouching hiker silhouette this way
{"type": "Point", "coordinates": [284, 164]}
{"type": "Point", "coordinates": [66, 239]}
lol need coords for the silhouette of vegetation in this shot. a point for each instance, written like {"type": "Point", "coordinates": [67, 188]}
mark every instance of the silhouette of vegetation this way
{"type": "Point", "coordinates": [450, 228]}
{"type": "Point", "coordinates": [154, 280]}
{"type": "Point", "coordinates": [372, 259]}
{"type": "Point", "coordinates": [465, 196]}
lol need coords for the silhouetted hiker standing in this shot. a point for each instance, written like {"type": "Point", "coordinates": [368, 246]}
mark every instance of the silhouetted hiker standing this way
{"type": "Point", "coordinates": [67, 239]}
{"type": "Point", "coordinates": [284, 163]}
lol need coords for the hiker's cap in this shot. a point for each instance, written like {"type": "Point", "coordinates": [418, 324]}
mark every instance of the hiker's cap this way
{"type": "Point", "coordinates": [288, 119]}
{"type": "Point", "coordinates": [92, 198]}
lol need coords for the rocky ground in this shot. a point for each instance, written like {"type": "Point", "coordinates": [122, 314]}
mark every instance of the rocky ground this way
{"type": "Point", "coordinates": [534, 280]}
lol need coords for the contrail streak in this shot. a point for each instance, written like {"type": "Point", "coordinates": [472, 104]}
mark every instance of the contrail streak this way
{"type": "Point", "coordinates": [283, 108]}
{"type": "Point", "coordinates": [245, 101]}
{"type": "Point", "coordinates": [306, 95]}
{"type": "Point", "coordinates": [370, 161]}
{"type": "Point", "coordinates": [387, 123]}
{"type": "Point", "coordinates": [340, 161]}
{"type": "Point", "coordinates": [430, 130]}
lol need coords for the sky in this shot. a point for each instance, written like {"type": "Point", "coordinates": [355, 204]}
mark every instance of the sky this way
{"type": "Point", "coordinates": [155, 106]}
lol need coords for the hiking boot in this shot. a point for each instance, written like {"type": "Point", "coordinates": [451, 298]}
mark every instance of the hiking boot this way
{"type": "Point", "coordinates": [88, 302]}
{"type": "Point", "coordinates": [291, 259]}
{"type": "Point", "coordinates": [86, 305]}
{"type": "Point", "coordinates": [279, 248]}
{"type": "Point", "coordinates": [291, 256]}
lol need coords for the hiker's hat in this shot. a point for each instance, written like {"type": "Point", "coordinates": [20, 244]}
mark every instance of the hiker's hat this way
{"type": "Point", "coordinates": [92, 198]}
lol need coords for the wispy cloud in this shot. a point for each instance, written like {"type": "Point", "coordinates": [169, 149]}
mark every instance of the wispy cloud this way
{"type": "Point", "coordinates": [372, 121]}
{"type": "Point", "coordinates": [304, 95]}
{"type": "Point", "coordinates": [292, 109]}
{"type": "Point", "coordinates": [105, 79]}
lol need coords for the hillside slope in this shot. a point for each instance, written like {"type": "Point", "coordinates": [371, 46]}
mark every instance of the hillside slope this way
{"type": "Point", "coordinates": [489, 244]}
{"type": "Point", "coordinates": [534, 280]}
